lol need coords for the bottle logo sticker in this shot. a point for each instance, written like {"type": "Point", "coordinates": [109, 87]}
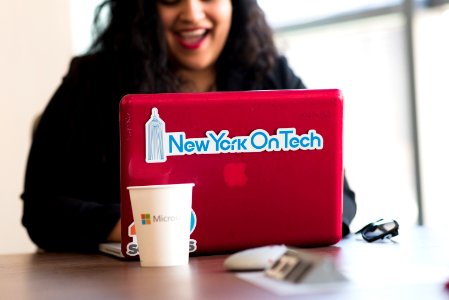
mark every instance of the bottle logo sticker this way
{"type": "Point", "coordinates": [155, 132]}
{"type": "Point", "coordinates": [160, 144]}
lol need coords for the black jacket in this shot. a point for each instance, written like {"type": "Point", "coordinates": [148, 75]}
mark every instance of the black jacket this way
{"type": "Point", "coordinates": [72, 184]}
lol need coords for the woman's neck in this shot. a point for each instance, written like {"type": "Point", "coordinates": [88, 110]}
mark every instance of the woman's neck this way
{"type": "Point", "coordinates": [198, 80]}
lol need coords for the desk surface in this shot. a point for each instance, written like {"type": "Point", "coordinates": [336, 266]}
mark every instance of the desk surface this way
{"type": "Point", "coordinates": [413, 267]}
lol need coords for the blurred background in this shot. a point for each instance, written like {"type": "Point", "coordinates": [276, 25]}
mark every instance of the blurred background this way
{"type": "Point", "coordinates": [389, 57]}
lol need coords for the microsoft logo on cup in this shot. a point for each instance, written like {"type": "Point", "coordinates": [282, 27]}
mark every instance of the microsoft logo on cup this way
{"type": "Point", "coordinates": [147, 220]}
{"type": "Point", "coordinates": [160, 144]}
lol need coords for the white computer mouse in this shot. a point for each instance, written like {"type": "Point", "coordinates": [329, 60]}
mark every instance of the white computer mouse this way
{"type": "Point", "coordinates": [259, 258]}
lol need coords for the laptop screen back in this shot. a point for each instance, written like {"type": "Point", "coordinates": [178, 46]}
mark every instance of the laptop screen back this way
{"type": "Point", "coordinates": [267, 165]}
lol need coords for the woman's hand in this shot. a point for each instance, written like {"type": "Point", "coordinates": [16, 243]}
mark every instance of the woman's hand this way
{"type": "Point", "coordinates": [115, 235]}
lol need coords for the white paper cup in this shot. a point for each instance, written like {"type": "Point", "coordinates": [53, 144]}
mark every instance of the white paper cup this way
{"type": "Point", "coordinates": [162, 219]}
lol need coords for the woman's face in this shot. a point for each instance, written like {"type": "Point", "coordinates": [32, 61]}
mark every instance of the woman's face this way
{"type": "Point", "coordinates": [195, 30]}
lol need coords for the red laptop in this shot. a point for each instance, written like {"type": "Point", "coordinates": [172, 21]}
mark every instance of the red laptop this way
{"type": "Point", "coordinates": [267, 165]}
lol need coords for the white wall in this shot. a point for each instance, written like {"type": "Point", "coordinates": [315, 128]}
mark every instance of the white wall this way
{"type": "Point", "coordinates": [34, 55]}
{"type": "Point", "coordinates": [82, 14]}
{"type": "Point", "coordinates": [432, 70]}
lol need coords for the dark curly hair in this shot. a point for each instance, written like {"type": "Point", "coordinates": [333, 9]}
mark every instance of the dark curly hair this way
{"type": "Point", "coordinates": [133, 39]}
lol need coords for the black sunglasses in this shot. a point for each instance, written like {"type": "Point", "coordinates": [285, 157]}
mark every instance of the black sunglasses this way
{"type": "Point", "coordinates": [381, 229]}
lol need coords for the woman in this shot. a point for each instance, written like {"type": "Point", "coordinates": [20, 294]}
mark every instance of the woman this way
{"type": "Point", "coordinates": [71, 196]}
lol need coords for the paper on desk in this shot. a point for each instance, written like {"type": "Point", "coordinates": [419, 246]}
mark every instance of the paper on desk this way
{"type": "Point", "coordinates": [388, 277]}
{"type": "Point", "coordinates": [283, 288]}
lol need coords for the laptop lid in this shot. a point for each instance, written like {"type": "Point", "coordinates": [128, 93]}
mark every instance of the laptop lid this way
{"type": "Point", "coordinates": [267, 165]}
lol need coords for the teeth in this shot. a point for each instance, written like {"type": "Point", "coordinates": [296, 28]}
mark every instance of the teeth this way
{"type": "Point", "coordinates": [193, 33]}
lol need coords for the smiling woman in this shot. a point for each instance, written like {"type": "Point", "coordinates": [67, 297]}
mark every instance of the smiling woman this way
{"type": "Point", "coordinates": [73, 176]}
{"type": "Point", "coordinates": [187, 45]}
{"type": "Point", "coordinates": [196, 32]}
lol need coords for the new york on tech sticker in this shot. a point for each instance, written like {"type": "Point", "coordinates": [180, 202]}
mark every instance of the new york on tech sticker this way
{"type": "Point", "coordinates": [161, 144]}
